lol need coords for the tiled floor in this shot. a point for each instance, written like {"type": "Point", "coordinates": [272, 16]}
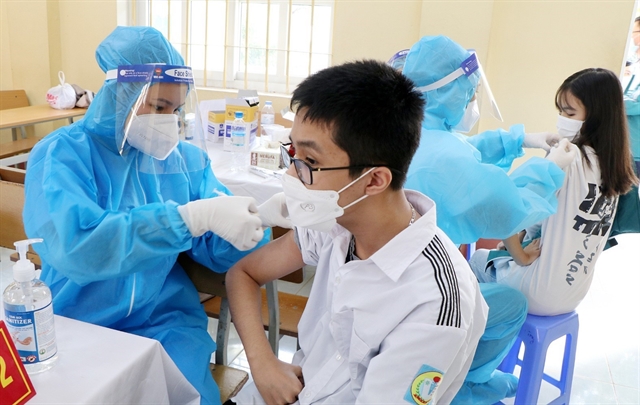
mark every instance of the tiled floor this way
{"type": "Point", "coordinates": [607, 367]}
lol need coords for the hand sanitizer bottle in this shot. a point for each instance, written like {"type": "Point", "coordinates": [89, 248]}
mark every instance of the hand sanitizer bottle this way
{"type": "Point", "coordinates": [28, 313]}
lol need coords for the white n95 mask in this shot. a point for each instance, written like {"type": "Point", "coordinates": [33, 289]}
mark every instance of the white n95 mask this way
{"type": "Point", "coordinates": [153, 134]}
{"type": "Point", "coordinates": [314, 209]}
{"type": "Point", "coordinates": [469, 119]}
{"type": "Point", "coordinates": [568, 127]}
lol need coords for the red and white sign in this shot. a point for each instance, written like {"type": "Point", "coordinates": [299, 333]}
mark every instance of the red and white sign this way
{"type": "Point", "coordinates": [15, 385]}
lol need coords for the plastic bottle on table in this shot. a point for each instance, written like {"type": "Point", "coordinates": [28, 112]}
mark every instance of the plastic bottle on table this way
{"type": "Point", "coordinates": [267, 117]}
{"type": "Point", "coordinates": [239, 144]}
{"type": "Point", "coordinates": [190, 126]}
{"type": "Point", "coordinates": [28, 313]}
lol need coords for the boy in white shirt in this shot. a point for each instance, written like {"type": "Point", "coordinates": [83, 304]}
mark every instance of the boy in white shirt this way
{"type": "Point", "coordinates": [394, 314]}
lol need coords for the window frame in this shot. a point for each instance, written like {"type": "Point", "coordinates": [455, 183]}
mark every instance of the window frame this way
{"type": "Point", "coordinates": [233, 75]}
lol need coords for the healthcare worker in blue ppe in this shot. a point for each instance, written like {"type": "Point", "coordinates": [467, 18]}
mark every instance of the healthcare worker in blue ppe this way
{"type": "Point", "coordinates": [632, 97]}
{"type": "Point", "coordinates": [632, 107]}
{"type": "Point", "coordinates": [118, 195]}
{"type": "Point", "coordinates": [475, 197]}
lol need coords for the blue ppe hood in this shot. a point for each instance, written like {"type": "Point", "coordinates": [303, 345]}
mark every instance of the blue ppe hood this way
{"type": "Point", "coordinates": [431, 59]}
{"type": "Point", "coordinates": [124, 46]}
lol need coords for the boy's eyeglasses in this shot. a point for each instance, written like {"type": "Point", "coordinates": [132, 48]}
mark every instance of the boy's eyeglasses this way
{"type": "Point", "coordinates": [304, 171]}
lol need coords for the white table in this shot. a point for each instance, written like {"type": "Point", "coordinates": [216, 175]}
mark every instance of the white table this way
{"type": "Point", "coordinates": [241, 183]}
{"type": "Point", "coordinates": [98, 365]}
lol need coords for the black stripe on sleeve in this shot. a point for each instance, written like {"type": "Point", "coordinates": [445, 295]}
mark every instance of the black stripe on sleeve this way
{"type": "Point", "coordinates": [447, 281]}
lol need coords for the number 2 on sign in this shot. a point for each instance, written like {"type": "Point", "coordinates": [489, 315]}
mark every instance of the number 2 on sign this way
{"type": "Point", "coordinates": [4, 380]}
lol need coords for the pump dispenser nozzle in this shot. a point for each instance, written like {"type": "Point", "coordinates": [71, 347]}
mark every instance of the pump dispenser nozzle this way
{"type": "Point", "coordinates": [24, 270]}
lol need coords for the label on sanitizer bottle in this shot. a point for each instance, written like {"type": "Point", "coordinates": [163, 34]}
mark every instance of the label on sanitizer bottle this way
{"type": "Point", "coordinates": [33, 333]}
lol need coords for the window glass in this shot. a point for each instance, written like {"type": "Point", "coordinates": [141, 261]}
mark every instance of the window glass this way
{"type": "Point", "coordinates": [267, 45]}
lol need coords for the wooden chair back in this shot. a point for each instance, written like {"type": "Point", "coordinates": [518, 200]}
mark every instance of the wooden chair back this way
{"type": "Point", "coordinates": [278, 308]}
{"type": "Point", "coordinates": [11, 203]}
{"type": "Point", "coordinates": [290, 308]}
{"type": "Point", "coordinates": [16, 99]}
{"type": "Point", "coordinates": [13, 99]}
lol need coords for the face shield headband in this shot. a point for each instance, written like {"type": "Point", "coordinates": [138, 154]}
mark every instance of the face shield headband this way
{"type": "Point", "coordinates": [156, 116]}
{"type": "Point", "coordinates": [467, 68]}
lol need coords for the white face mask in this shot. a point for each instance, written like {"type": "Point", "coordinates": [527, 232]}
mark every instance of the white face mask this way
{"type": "Point", "coordinates": [568, 127]}
{"type": "Point", "coordinates": [153, 134]}
{"type": "Point", "coordinates": [469, 119]}
{"type": "Point", "coordinates": [314, 209]}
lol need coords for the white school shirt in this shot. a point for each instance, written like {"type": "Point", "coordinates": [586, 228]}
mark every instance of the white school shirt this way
{"type": "Point", "coordinates": [571, 241]}
{"type": "Point", "coordinates": [399, 327]}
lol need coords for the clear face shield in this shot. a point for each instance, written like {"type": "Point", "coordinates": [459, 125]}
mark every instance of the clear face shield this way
{"type": "Point", "coordinates": [397, 61]}
{"type": "Point", "coordinates": [157, 118]}
{"type": "Point", "coordinates": [467, 68]}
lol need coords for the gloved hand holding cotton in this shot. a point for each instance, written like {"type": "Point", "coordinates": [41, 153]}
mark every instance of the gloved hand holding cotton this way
{"type": "Point", "coordinates": [273, 212]}
{"type": "Point", "coordinates": [563, 154]}
{"type": "Point", "coordinates": [541, 140]}
{"type": "Point", "coordinates": [234, 219]}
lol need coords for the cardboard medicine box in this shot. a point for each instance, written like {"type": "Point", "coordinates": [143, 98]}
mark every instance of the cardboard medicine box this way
{"type": "Point", "coordinates": [266, 157]}
{"type": "Point", "coordinates": [216, 125]}
{"type": "Point", "coordinates": [249, 108]}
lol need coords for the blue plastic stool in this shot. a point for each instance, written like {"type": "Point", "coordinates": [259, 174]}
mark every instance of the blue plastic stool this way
{"type": "Point", "coordinates": [537, 333]}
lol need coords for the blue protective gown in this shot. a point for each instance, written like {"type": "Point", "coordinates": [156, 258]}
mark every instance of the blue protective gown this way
{"type": "Point", "coordinates": [632, 106]}
{"type": "Point", "coordinates": [112, 234]}
{"type": "Point", "coordinates": [476, 198]}
{"type": "Point", "coordinates": [467, 176]}
{"type": "Point", "coordinates": [474, 195]}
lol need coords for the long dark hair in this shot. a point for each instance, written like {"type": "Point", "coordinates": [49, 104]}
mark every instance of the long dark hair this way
{"type": "Point", "coordinates": [605, 126]}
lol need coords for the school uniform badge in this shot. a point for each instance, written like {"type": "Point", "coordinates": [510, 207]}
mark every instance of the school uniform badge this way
{"type": "Point", "coordinates": [424, 386]}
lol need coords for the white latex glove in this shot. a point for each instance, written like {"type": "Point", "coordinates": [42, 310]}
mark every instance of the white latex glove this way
{"type": "Point", "coordinates": [541, 140]}
{"type": "Point", "coordinates": [234, 219]}
{"type": "Point", "coordinates": [563, 154]}
{"type": "Point", "coordinates": [273, 212]}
